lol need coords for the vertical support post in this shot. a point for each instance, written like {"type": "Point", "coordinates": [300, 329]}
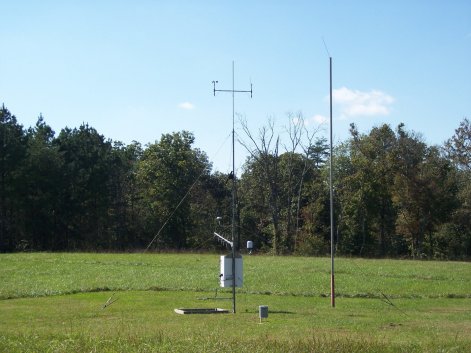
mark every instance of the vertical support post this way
{"type": "Point", "coordinates": [234, 246]}
{"type": "Point", "coordinates": [233, 230]}
{"type": "Point", "coordinates": [332, 276]}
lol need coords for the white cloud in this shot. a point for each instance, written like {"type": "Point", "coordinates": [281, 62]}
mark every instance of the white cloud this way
{"type": "Point", "coordinates": [358, 103]}
{"type": "Point", "coordinates": [186, 106]}
{"type": "Point", "coordinates": [319, 119]}
{"type": "Point", "coordinates": [316, 119]}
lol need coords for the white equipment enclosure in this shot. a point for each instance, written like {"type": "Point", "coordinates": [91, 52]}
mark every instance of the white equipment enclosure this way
{"type": "Point", "coordinates": [226, 276]}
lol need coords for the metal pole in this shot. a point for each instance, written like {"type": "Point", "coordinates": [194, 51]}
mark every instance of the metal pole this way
{"type": "Point", "coordinates": [234, 244]}
{"type": "Point", "coordinates": [233, 198]}
{"type": "Point", "coordinates": [332, 281]}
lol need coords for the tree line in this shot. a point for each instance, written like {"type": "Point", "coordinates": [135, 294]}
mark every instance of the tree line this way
{"type": "Point", "coordinates": [394, 195]}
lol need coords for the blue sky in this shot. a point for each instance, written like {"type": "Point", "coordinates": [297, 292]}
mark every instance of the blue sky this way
{"type": "Point", "coordinates": [135, 70]}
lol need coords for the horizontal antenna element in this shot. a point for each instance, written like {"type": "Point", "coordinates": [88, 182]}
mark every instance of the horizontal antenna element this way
{"type": "Point", "coordinates": [231, 90]}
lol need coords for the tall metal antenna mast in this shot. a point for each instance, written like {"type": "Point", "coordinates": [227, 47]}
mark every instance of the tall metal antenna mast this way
{"type": "Point", "coordinates": [234, 243]}
{"type": "Point", "coordinates": [331, 187]}
{"type": "Point", "coordinates": [332, 248]}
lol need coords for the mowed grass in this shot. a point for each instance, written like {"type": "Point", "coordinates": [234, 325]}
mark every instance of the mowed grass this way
{"type": "Point", "coordinates": [44, 274]}
{"type": "Point", "coordinates": [53, 303]}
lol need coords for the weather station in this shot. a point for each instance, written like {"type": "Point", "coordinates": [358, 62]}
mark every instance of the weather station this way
{"type": "Point", "coordinates": [231, 265]}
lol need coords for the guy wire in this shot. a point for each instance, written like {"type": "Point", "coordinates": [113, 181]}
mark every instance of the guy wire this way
{"type": "Point", "coordinates": [184, 197]}
{"type": "Point", "coordinates": [382, 297]}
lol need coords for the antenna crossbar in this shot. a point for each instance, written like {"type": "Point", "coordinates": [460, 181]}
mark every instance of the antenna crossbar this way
{"type": "Point", "coordinates": [231, 90]}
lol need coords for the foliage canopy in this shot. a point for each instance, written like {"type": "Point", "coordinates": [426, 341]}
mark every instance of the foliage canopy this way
{"type": "Point", "coordinates": [394, 194]}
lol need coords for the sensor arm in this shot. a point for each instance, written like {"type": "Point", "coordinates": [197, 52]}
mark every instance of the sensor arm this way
{"type": "Point", "coordinates": [223, 239]}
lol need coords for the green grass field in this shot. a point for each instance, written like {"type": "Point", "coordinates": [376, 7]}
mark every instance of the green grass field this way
{"type": "Point", "coordinates": [53, 303]}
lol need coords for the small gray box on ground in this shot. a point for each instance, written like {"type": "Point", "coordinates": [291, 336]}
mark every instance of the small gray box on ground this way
{"type": "Point", "coordinates": [263, 311]}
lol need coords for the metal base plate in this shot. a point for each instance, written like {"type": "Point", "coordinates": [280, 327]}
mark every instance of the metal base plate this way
{"type": "Point", "coordinates": [202, 311]}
